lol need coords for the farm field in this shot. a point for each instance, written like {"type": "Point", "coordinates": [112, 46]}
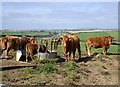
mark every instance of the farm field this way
{"type": "Point", "coordinates": [95, 70]}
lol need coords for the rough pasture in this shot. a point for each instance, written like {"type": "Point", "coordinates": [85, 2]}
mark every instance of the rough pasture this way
{"type": "Point", "coordinates": [95, 70]}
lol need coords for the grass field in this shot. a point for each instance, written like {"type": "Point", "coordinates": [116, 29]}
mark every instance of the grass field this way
{"type": "Point", "coordinates": [82, 35]}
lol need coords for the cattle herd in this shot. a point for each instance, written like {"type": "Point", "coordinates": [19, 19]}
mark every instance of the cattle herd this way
{"type": "Point", "coordinates": [69, 45]}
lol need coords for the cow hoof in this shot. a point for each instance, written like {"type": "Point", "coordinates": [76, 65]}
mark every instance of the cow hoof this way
{"type": "Point", "coordinates": [7, 57]}
{"type": "Point", "coordinates": [26, 60]}
{"type": "Point", "coordinates": [66, 60]}
{"type": "Point", "coordinates": [80, 60]}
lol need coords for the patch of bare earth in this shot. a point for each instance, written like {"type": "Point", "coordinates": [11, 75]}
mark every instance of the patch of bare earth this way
{"type": "Point", "coordinates": [101, 71]}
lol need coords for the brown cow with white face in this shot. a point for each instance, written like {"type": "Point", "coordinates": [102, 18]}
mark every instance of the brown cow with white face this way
{"type": "Point", "coordinates": [98, 42]}
{"type": "Point", "coordinates": [70, 44]}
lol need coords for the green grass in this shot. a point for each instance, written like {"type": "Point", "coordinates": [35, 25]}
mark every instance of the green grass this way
{"type": "Point", "coordinates": [47, 71]}
{"type": "Point", "coordinates": [83, 35]}
{"type": "Point", "coordinates": [47, 68]}
{"type": "Point", "coordinates": [70, 66]}
{"type": "Point", "coordinates": [32, 33]}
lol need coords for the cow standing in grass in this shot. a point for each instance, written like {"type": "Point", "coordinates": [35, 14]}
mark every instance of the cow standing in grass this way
{"type": "Point", "coordinates": [98, 42]}
{"type": "Point", "coordinates": [69, 44]}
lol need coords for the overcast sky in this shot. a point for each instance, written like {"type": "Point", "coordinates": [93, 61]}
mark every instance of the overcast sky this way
{"type": "Point", "coordinates": [59, 15]}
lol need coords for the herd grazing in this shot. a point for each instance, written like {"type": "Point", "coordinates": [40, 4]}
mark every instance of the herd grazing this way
{"type": "Point", "coordinates": [69, 45]}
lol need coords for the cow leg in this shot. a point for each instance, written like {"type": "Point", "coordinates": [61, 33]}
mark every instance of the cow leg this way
{"type": "Point", "coordinates": [69, 57]}
{"type": "Point", "coordinates": [88, 49]}
{"type": "Point", "coordinates": [104, 51]}
{"type": "Point", "coordinates": [27, 54]}
{"type": "Point", "coordinates": [6, 53]}
{"type": "Point", "coordinates": [73, 55]}
{"type": "Point", "coordinates": [79, 51]}
{"type": "Point", "coordinates": [31, 55]}
{"type": "Point", "coordinates": [66, 55]}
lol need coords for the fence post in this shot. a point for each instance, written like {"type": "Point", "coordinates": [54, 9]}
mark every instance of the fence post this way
{"type": "Point", "coordinates": [46, 45]}
{"type": "Point", "coordinates": [51, 44]}
{"type": "Point", "coordinates": [38, 45]}
{"type": "Point", "coordinates": [55, 45]}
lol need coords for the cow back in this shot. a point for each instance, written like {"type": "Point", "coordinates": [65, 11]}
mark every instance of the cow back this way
{"type": "Point", "coordinates": [98, 42]}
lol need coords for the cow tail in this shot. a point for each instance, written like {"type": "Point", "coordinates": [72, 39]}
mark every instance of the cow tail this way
{"type": "Point", "coordinates": [26, 49]}
{"type": "Point", "coordinates": [79, 49]}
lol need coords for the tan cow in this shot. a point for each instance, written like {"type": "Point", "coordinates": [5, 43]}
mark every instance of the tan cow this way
{"type": "Point", "coordinates": [15, 43]}
{"type": "Point", "coordinates": [70, 44]}
{"type": "Point", "coordinates": [98, 42]}
{"type": "Point", "coordinates": [32, 48]}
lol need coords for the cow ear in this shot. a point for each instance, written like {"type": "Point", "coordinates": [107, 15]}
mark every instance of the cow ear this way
{"type": "Point", "coordinates": [61, 38]}
{"type": "Point", "coordinates": [112, 37]}
{"type": "Point", "coordinates": [69, 38]}
{"type": "Point", "coordinates": [6, 39]}
{"type": "Point", "coordinates": [9, 38]}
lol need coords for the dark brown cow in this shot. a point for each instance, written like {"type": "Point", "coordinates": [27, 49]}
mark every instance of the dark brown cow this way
{"type": "Point", "coordinates": [16, 43]}
{"type": "Point", "coordinates": [0, 47]}
{"type": "Point", "coordinates": [31, 49]}
{"type": "Point", "coordinates": [69, 44]}
{"type": "Point", "coordinates": [98, 42]}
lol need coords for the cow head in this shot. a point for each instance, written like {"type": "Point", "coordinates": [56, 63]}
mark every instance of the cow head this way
{"type": "Point", "coordinates": [31, 39]}
{"type": "Point", "coordinates": [4, 43]}
{"type": "Point", "coordinates": [65, 41]}
{"type": "Point", "coordinates": [57, 41]}
{"type": "Point", "coordinates": [109, 39]}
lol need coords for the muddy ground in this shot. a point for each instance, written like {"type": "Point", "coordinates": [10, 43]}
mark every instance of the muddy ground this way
{"type": "Point", "coordinates": [95, 71]}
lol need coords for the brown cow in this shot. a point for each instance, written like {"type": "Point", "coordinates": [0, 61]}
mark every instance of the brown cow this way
{"type": "Point", "coordinates": [69, 44]}
{"type": "Point", "coordinates": [16, 43]}
{"type": "Point", "coordinates": [9, 43]}
{"type": "Point", "coordinates": [1, 47]}
{"type": "Point", "coordinates": [98, 42]}
{"type": "Point", "coordinates": [31, 49]}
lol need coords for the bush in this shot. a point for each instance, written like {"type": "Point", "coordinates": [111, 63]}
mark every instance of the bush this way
{"type": "Point", "coordinates": [26, 72]}
{"type": "Point", "coordinates": [47, 68]}
{"type": "Point", "coordinates": [70, 66]}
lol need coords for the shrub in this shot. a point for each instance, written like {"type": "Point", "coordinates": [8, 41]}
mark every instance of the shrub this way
{"type": "Point", "coordinates": [26, 72]}
{"type": "Point", "coordinates": [70, 66]}
{"type": "Point", "coordinates": [47, 68]}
